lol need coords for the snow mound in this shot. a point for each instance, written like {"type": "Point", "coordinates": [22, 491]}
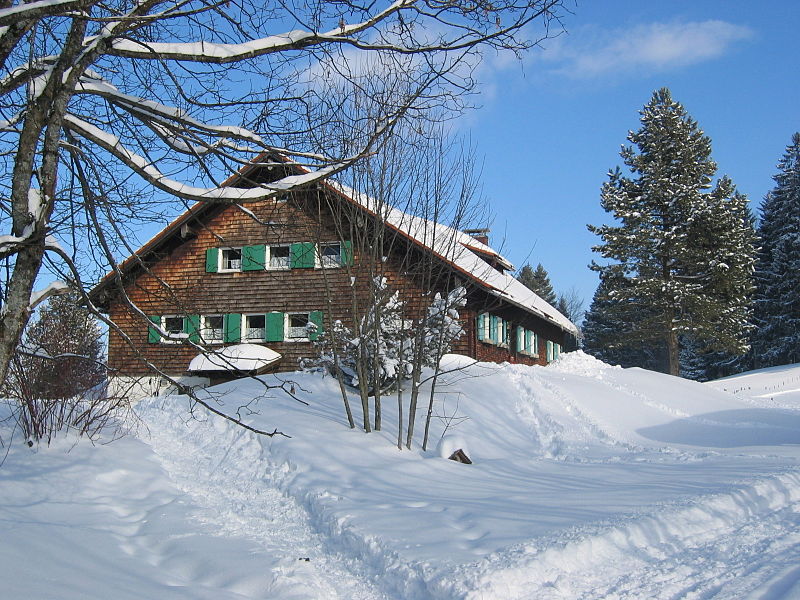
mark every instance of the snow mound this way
{"type": "Point", "coordinates": [239, 357]}
{"type": "Point", "coordinates": [452, 443]}
{"type": "Point", "coordinates": [580, 363]}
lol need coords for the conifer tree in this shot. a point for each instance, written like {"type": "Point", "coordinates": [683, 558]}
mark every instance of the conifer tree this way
{"type": "Point", "coordinates": [776, 340]}
{"type": "Point", "coordinates": [682, 246]}
{"type": "Point", "coordinates": [539, 281]}
{"type": "Point", "coordinates": [608, 330]}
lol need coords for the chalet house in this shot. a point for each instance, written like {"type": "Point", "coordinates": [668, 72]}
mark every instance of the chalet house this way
{"type": "Point", "coordinates": [246, 282]}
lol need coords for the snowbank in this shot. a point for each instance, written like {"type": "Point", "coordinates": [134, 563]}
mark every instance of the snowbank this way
{"type": "Point", "coordinates": [589, 481]}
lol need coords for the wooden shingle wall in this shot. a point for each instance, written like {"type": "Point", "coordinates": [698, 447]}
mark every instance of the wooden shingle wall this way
{"type": "Point", "coordinates": [177, 284]}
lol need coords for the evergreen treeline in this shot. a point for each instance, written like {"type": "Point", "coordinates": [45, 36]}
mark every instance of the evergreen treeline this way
{"type": "Point", "coordinates": [776, 338]}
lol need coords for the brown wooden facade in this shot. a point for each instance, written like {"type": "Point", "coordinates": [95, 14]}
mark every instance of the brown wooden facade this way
{"type": "Point", "coordinates": [170, 277]}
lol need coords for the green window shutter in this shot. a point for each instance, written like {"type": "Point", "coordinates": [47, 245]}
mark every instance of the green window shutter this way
{"type": "Point", "coordinates": [506, 332]}
{"type": "Point", "coordinates": [535, 348]}
{"type": "Point", "coordinates": [529, 341]}
{"type": "Point", "coordinates": [315, 316]}
{"type": "Point", "coordinates": [153, 335]}
{"type": "Point", "coordinates": [302, 255]}
{"type": "Point", "coordinates": [191, 325]}
{"type": "Point", "coordinates": [253, 258]}
{"type": "Point", "coordinates": [481, 326]}
{"type": "Point", "coordinates": [232, 327]}
{"type": "Point", "coordinates": [549, 351]}
{"type": "Point", "coordinates": [212, 260]}
{"type": "Point", "coordinates": [347, 253]}
{"type": "Point", "coordinates": [275, 322]}
{"type": "Point", "coordinates": [520, 339]}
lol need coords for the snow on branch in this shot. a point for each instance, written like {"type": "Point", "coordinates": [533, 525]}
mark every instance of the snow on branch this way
{"type": "Point", "coordinates": [151, 174]}
{"type": "Point", "coordinates": [54, 289]}
{"type": "Point", "coordinates": [146, 109]}
{"type": "Point", "coordinates": [37, 10]}
{"type": "Point", "coordinates": [217, 53]}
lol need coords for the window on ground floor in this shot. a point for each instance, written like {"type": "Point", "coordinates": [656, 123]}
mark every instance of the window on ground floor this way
{"type": "Point", "coordinates": [255, 327]}
{"type": "Point", "coordinates": [212, 331]}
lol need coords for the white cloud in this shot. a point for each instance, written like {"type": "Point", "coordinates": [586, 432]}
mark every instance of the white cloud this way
{"type": "Point", "coordinates": [589, 52]}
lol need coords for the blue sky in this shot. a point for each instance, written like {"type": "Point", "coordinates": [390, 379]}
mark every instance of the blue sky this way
{"type": "Point", "coordinates": [549, 127]}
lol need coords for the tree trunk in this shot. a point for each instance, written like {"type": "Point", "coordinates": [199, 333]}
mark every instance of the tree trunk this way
{"type": "Point", "coordinates": [673, 349]}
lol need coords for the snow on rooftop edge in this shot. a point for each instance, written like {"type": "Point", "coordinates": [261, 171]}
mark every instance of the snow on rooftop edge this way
{"type": "Point", "coordinates": [452, 244]}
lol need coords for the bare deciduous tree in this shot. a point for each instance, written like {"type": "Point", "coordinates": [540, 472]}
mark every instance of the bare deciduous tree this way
{"type": "Point", "coordinates": [112, 112]}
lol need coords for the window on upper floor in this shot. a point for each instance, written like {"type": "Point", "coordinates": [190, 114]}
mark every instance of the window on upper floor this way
{"type": "Point", "coordinates": [230, 259]}
{"type": "Point", "coordinates": [297, 255]}
{"type": "Point", "coordinates": [280, 257]}
{"type": "Point", "coordinates": [330, 255]}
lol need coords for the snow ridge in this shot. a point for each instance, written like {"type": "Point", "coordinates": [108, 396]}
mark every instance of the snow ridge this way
{"type": "Point", "coordinates": [647, 556]}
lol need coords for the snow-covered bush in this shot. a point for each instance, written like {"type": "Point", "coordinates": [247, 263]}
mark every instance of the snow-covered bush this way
{"type": "Point", "coordinates": [442, 328]}
{"type": "Point", "coordinates": [386, 349]}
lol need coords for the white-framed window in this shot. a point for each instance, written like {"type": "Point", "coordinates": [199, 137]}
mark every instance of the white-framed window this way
{"type": "Point", "coordinates": [212, 329]}
{"type": "Point", "coordinates": [330, 255]}
{"type": "Point", "coordinates": [175, 327]}
{"type": "Point", "coordinates": [279, 257]}
{"type": "Point", "coordinates": [230, 259]}
{"type": "Point", "coordinates": [297, 326]}
{"type": "Point", "coordinates": [255, 328]}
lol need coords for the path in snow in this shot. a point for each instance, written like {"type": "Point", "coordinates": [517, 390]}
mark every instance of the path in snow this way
{"type": "Point", "coordinates": [205, 460]}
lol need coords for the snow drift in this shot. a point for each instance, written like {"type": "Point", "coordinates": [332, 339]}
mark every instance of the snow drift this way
{"type": "Point", "coordinates": [589, 481]}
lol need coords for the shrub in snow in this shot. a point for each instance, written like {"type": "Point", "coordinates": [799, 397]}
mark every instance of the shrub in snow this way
{"type": "Point", "coordinates": [388, 345]}
{"type": "Point", "coordinates": [56, 380]}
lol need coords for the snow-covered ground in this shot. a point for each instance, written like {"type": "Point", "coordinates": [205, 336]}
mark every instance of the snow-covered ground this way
{"type": "Point", "coordinates": [588, 481]}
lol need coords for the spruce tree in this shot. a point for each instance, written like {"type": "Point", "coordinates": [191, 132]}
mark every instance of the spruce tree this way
{"type": "Point", "coordinates": [608, 330]}
{"type": "Point", "coordinates": [683, 247]}
{"type": "Point", "coordinates": [776, 340]}
{"type": "Point", "coordinates": [539, 281]}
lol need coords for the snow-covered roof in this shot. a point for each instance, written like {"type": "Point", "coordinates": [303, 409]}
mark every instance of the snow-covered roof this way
{"type": "Point", "coordinates": [464, 252]}
{"type": "Point", "coordinates": [240, 357]}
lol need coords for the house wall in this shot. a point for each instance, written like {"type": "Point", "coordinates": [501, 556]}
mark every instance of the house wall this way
{"type": "Point", "coordinates": [470, 345]}
{"type": "Point", "coordinates": [178, 284]}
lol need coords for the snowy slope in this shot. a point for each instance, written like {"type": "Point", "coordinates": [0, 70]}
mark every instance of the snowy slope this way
{"type": "Point", "coordinates": [588, 481]}
{"type": "Point", "coordinates": [774, 387]}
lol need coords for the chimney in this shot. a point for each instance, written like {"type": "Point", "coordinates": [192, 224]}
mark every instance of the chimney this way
{"type": "Point", "coordinates": [482, 235]}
